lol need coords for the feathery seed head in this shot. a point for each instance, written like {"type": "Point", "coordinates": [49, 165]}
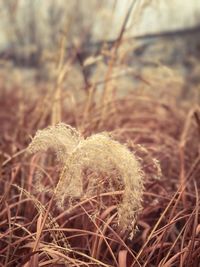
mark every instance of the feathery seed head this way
{"type": "Point", "coordinates": [103, 156]}
{"type": "Point", "coordinates": [60, 138]}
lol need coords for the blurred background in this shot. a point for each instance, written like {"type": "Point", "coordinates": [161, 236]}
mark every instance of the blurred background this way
{"type": "Point", "coordinates": [73, 43]}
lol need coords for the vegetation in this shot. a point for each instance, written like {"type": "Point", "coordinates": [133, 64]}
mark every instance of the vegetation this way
{"type": "Point", "coordinates": [99, 162]}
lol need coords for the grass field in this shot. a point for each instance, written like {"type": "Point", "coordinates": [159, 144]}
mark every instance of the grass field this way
{"type": "Point", "coordinates": [99, 145]}
{"type": "Point", "coordinates": [158, 131]}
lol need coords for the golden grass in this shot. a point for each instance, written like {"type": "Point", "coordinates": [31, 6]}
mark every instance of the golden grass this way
{"type": "Point", "coordinates": [35, 231]}
{"type": "Point", "coordinates": [121, 188]}
{"type": "Point", "coordinates": [109, 167]}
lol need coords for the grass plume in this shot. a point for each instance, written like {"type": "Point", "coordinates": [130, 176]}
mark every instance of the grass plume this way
{"type": "Point", "coordinates": [99, 154]}
{"type": "Point", "coordinates": [61, 138]}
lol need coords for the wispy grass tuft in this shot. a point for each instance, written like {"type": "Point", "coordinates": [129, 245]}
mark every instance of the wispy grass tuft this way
{"type": "Point", "coordinates": [112, 167]}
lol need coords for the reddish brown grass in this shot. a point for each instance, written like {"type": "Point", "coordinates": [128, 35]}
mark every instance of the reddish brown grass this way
{"type": "Point", "coordinates": [34, 232]}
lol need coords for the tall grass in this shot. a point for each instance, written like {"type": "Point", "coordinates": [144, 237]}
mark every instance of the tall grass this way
{"type": "Point", "coordinates": [113, 174]}
{"type": "Point", "coordinates": [92, 227]}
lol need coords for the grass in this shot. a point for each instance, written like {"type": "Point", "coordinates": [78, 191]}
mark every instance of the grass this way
{"type": "Point", "coordinates": [162, 135]}
{"type": "Point", "coordinates": [125, 164]}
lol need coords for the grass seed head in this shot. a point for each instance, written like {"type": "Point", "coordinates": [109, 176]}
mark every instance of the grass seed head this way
{"type": "Point", "coordinates": [61, 138]}
{"type": "Point", "coordinates": [99, 154]}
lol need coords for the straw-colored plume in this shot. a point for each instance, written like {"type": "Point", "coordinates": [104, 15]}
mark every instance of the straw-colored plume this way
{"type": "Point", "coordinates": [61, 138]}
{"type": "Point", "coordinates": [113, 167]}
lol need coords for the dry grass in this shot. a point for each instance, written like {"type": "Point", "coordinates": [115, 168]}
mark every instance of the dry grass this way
{"type": "Point", "coordinates": [34, 231]}
{"type": "Point", "coordinates": [108, 167]}
{"type": "Point", "coordinates": [121, 187]}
